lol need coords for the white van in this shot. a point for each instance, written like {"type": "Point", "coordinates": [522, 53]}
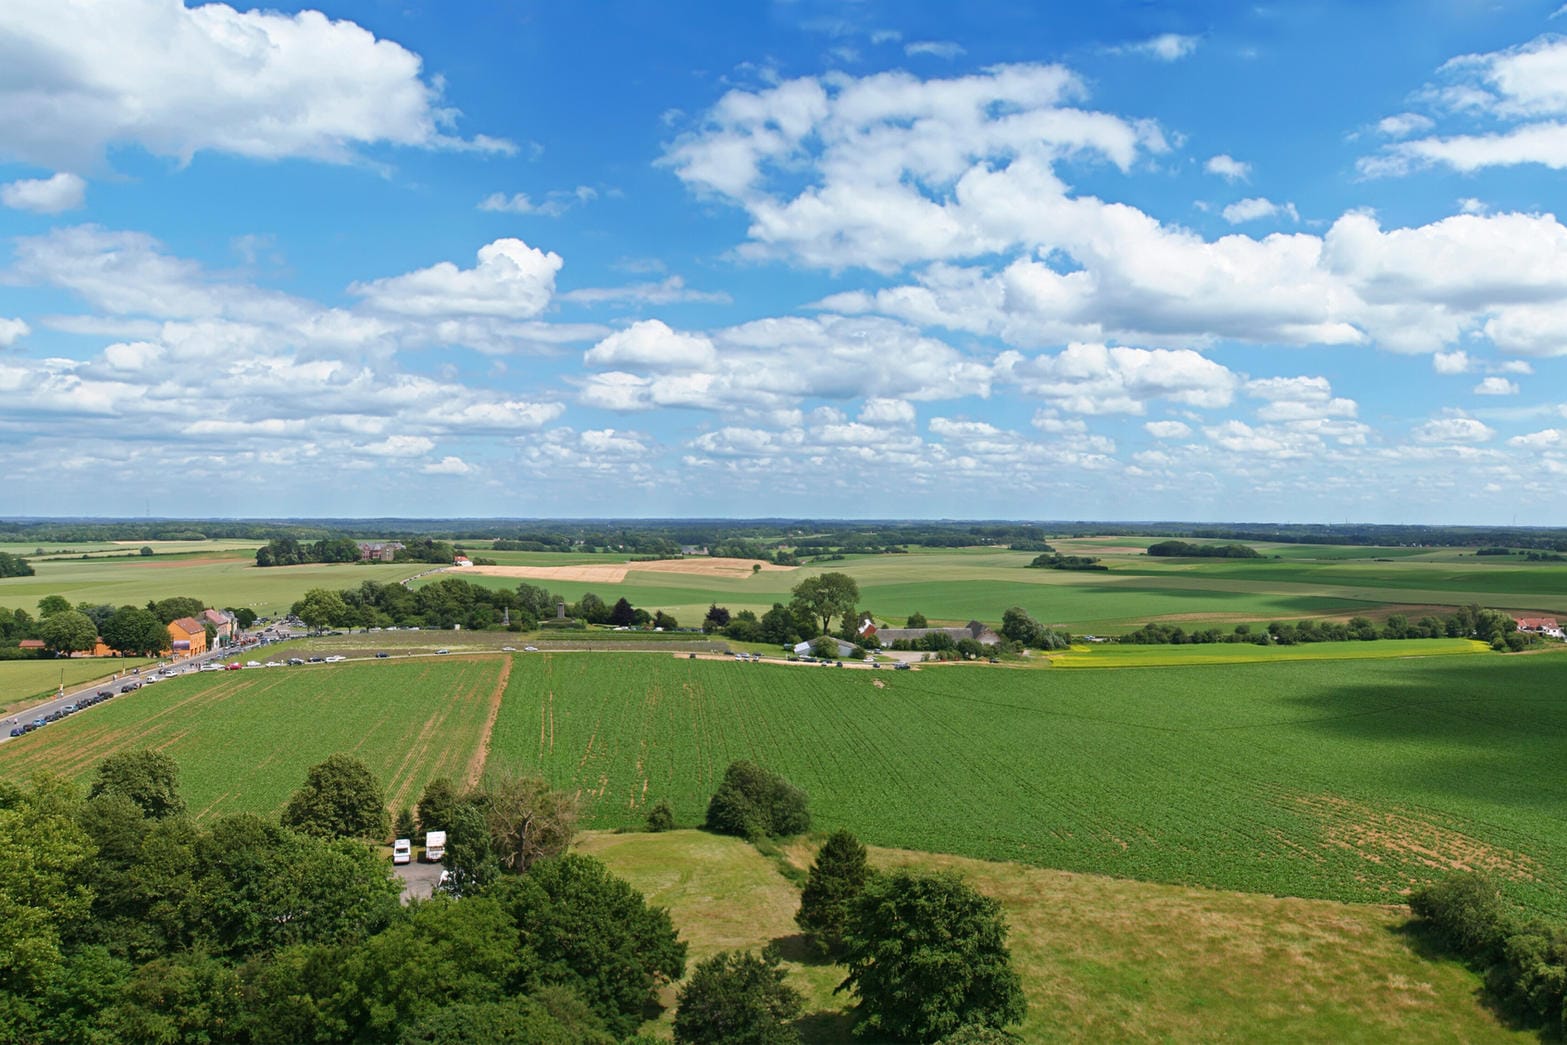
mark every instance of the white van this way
{"type": "Point", "coordinates": [434, 846]}
{"type": "Point", "coordinates": [402, 851]}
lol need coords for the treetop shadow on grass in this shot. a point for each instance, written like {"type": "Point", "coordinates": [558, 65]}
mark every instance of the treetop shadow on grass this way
{"type": "Point", "coordinates": [1425, 941]}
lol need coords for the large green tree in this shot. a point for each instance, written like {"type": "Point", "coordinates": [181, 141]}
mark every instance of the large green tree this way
{"type": "Point", "coordinates": [175, 607]}
{"type": "Point", "coordinates": [43, 894]}
{"type": "Point", "coordinates": [927, 955]}
{"type": "Point", "coordinates": [68, 632]}
{"type": "Point", "coordinates": [837, 879]}
{"type": "Point", "coordinates": [825, 596]}
{"type": "Point", "coordinates": [527, 819]}
{"type": "Point", "coordinates": [340, 798]}
{"type": "Point", "coordinates": [150, 779]}
{"type": "Point", "coordinates": [321, 608]}
{"type": "Point", "coordinates": [736, 998]}
{"type": "Point", "coordinates": [135, 633]}
{"type": "Point", "coordinates": [49, 605]}
{"type": "Point", "coordinates": [753, 802]}
{"type": "Point", "coordinates": [595, 934]}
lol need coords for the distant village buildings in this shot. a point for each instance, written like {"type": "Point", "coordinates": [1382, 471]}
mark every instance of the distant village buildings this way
{"type": "Point", "coordinates": [380, 551]}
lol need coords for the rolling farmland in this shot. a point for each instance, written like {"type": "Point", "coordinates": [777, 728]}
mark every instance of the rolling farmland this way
{"type": "Point", "coordinates": [244, 739]}
{"type": "Point", "coordinates": [1340, 780]}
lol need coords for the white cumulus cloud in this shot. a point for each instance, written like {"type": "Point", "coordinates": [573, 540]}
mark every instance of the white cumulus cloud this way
{"type": "Point", "coordinates": [1496, 386]}
{"type": "Point", "coordinates": [511, 279]}
{"type": "Point", "coordinates": [262, 84]}
{"type": "Point", "coordinates": [52, 195]}
{"type": "Point", "coordinates": [1228, 168]}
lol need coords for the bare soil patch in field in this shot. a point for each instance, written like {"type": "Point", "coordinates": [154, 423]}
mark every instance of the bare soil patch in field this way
{"type": "Point", "coordinates": [615, 572]}
{"type": "Point", "coordinates": [1383, 836]}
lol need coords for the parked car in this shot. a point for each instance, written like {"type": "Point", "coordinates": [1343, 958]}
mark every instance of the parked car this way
{"type": "Point", "coordinates": [439, 652]}
{"type": "Point", "coordinates": [382, 655]}
{"type": "Point", "coordinates": [402, 851]}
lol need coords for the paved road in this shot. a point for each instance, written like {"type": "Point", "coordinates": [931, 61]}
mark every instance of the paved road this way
{"type": "Point", "coordinates": [74, 694]}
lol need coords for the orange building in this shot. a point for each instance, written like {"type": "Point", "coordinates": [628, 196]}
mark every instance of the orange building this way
{"type": "Point", "coordinates": [187, 637]}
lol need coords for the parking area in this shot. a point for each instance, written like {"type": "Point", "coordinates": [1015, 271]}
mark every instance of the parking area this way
{"type": "Point", "coordinates": [419, 879]}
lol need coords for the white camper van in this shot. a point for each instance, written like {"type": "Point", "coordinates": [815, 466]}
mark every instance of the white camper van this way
{"type": "Point", "coordinates": [434, 846]}
{"type": "Point", "coordinates": [402, 851]}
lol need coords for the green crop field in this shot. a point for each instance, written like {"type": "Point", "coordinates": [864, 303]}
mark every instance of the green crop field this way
{"type": "Point", "coordinates": [22, 681]}
{"type": "Point", "coordinates": [245, 739]}
{"type": "Point", "coordinates": [1117, 656]}
{"type": "Point", "coordinates": [1332, 779]}
{"type": "Point", "coordinates": [1336, 779]}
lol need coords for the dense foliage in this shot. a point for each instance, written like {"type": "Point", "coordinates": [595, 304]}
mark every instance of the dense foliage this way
{"type": "Point", "coordinates": [927, 955]}
{"type": "Point", "coordinates": [1524, 960]}
{"type": "Point", "coordinates": [1467, 622]}
{"type": "Point", "coordinates": [736, 998]}
{"type": "Point", "coordinates": [753, 802]}
{"type": "Point", "coordinates": [14, 566]}
{"type": "Point", "coordinates": [117, 927]}
{"type": "Point", "coordinates": [833, 887]}
{"type": "Point", "coordinates": [341, 798]}
{"type": "Point", "coordinates": [1187, 550]}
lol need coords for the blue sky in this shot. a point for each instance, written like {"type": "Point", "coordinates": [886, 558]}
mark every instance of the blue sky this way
{"type": "Point", "coordinates": [1205, 261]}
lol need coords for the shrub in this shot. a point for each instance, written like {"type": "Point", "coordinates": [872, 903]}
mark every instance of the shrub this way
{"type": "Point", "coordinates": [737, 998]}
{"type": "Point", "coordinates": [661, 817]}
{"type": "Point", "coordinates": [752, 802]}
{"type": "Point", "coordinates": [1467, 912]}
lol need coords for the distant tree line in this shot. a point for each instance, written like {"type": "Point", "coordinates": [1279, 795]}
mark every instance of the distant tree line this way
{"type": "Point", "coordinates": [1187, 550]}
{"type": "Point", "coordinates": [286, 551]}
{"type": "Point", "coordinates": [1057, 561]}
{"type": "Point", "coordinates": [1498, 629]}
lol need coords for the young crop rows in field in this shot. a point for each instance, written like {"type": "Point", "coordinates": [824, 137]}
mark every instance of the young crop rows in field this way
{"type": "Point", "coordinates": [244, 739]}
{"type": "Point", "coordinates": [1348, 781]}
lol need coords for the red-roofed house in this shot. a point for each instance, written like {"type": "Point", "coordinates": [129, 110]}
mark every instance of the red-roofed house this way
{"type": "Point", "coordinates": [221, 621]}
{"type": "Point", "coordinates": [1540, 626]}
{"type": "Point", "coordinates": [187, 637]}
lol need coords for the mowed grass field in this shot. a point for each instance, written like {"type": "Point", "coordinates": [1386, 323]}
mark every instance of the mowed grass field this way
{"type": "Point", "coordinates": [1100, 959]}
{"type": "Point", "coordinates": [244, 739]}
{"type": "Point", "coordinates": [220, 578]}
{"type": "Point", "coordinates": [1339, 780]}
{"type": "Point", "coordinates": [22, 681]}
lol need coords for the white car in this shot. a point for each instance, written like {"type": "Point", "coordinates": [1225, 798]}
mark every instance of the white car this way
{"type": "Point", "coordinates": [530, 649]}
{"type": "Point", "coordinates": [402, 851]}
{"type": "Point", "coordinates": [335, 658]}
{"type": "Point", "coordinates": [252, 663]}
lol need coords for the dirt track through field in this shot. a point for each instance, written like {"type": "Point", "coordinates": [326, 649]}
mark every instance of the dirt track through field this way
{"type": "Point", "coordinates": [615, 572]}
{"type": "Point", "coordinates": [481, 754]}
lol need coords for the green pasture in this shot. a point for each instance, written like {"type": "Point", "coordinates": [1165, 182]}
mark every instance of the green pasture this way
{"type": "Point", "coordinates": [22, 682]}
{"type": "Point", "coordinates": [1348, 780]}
{"type": "Point", "coordinates": [244, 739]}
{"type": "Point", "coordinates": [229, 579]}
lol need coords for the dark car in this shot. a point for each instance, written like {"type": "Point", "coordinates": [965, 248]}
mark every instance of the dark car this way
{"type": "Point", "coordinates": [318, 660]}
{"type": "Point", "coordinates": [130, 687]}
{"type": "Point", "coordinates": [17, 731]}
{"type": "Point", "coordinates": [382, 656]}
{"type": "Point", "coordinates": [106, 693]}
{"type": "Point", "coordinates": [295, 660]}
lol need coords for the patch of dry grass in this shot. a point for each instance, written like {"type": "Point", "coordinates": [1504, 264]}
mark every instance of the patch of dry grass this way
{"type": "Point", "coordinates": [1101, 959]}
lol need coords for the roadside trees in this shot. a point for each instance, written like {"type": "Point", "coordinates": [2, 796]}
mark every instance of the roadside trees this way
{"type": "Point", "coordinates": [135, 633]}
{"type": "Point", "coordinates": [825, 596]}
{"type": "Point", "coordinates": [49, 605]}
{"type": "Point", "coordinates": [68, 632]}
{"type": "Point", "coordinates": [926, 956]}
{"type": "Point", "coordinates": [320, 608]}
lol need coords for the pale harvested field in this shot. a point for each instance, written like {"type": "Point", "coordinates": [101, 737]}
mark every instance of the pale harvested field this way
{"type": "Point", "coordinates": [615, 572]}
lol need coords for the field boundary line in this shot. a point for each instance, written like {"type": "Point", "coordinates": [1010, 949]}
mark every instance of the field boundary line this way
{"type": "Point", "coordinates": [481, 755]}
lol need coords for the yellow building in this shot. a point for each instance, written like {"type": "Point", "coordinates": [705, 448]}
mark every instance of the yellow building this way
{"type": "Point", "coordinates": [187, 637]}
